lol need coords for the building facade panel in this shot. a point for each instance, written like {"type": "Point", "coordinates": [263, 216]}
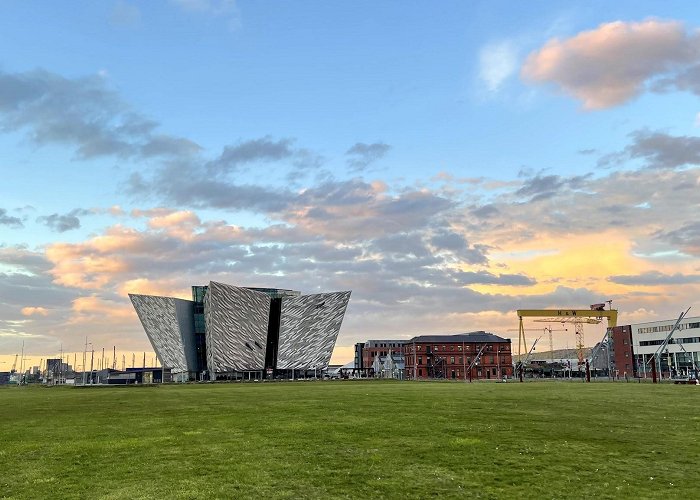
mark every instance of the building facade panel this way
{"type": "Point", "coordinates": [236, 328]}
{"type": "Point", "coordinates": [170, 329]}
{"type": "Point", "coordinates": [309, 327]}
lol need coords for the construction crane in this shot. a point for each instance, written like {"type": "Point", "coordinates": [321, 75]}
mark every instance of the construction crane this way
{"type": "Point", "coordinates": [593, 315]}
{"type": "Point", "coordinates": [578, 329]}
{"type": "Point", "coordinates": [548, 330]}
{"type": "Point", "coordinates": [14, 365]}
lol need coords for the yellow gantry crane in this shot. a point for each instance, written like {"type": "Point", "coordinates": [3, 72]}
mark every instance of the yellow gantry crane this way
{"type": "Point", "coordinates": [578, 317]}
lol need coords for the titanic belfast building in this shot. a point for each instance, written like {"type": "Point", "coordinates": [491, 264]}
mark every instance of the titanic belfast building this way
{"type": "Point", "coordinates": [229, 331]}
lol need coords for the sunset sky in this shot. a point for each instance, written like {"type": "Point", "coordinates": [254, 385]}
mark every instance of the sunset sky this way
{"type": "Point", "coordinates": [448, 162]}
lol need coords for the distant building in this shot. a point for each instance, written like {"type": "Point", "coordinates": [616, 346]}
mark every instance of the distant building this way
{"type": "Point", "coordinates": [233, 332]}
{"type": "Point", "coordinates": [636, 344]}
{"type": "Point", "coordinates": [475, 355]}
{"type": "Point", "coordinates": [379, 358]}
{"type": "Point", "coordinates": [381, 348]}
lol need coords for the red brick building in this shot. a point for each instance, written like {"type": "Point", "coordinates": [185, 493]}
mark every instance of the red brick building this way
{"type": "Point", "coordinates": [485, 355]}
{"type": "Point", "coordinates": [624, 353]}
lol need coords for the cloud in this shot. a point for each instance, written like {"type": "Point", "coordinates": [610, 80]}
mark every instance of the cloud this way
{"type": "Point", "coordinates": [25, 260]}
{"type": "Point", "coordinates": [8, 220]}
{"type": "Point", "coordinates": [361, 155]}
{"type": "Point", "coordinates": [32, 311]}
{"type": "Point", "coordinates": [202, 190]}
{"type": "Point", "coordinates": [419, 256]}
{"type": "Point", "coordinates": [686, 237]}
{"type": "Point", "coordinates": [659, 149]}
{"type": "Point", "coordinates": [402, 245]}
{"type": "Point", "coordinates": [654, 278]}
{"type": "Point", "coordinates": [611, 64]}
{"type": "Point", "coordinates": [63, 223]}
{"type": "Point", "coordinates": [446, 240]}
{"type": "Point", "coordinates": [497, 62]}
{"type": "Point", "coordinates": [541, 187]}
{"type": "Point", "coordinates": [83, 113]}
{"type": "Point", "coordinates": [264, 149]}
{"type": "Point", "coordinates": [688, 81]}
{"type": "Point", "coordinates": [165, 145]}
{"type": "Point", "coordinates": [485, 211]}
{"type": "Point", "coordinates": [487, 278]}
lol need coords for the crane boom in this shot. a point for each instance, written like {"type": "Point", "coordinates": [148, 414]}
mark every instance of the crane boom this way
{"type": "Point", "coordinates": [610, 314]}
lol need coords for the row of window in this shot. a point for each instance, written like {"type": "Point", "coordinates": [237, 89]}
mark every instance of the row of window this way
{"type": "Point", "coordinates": [667, 328]}
{"type": "Point", "coordinates": [371, 354]}
{"type": "Point", "coordinates": [467, 347]}
{"type": "Point", "coordinates": [385, 344]}
{"type": "Point", "coordinates": [686, 340]}
{"type": "Point", "coordinates": [458, 360]}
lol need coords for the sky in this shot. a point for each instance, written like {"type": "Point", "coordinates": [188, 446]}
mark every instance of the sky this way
{"type": "Point", "coordinates": [448, 162]}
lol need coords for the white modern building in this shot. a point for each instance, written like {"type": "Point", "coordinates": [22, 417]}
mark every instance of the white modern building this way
{"type": "Point", "coordinates": [636, 345]}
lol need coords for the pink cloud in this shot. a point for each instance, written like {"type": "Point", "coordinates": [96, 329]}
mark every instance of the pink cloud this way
{"type": "Point", "coordinates": [609, 65]}
{"type": "Point", "coordinates": [35, 311]}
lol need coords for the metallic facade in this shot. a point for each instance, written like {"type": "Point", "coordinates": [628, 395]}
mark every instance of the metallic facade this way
{"type": "Point", "coordinates": [245, 329]}
{"type": "Point", "coordinates": [168, 325]}
{"type": "Point", "coordinates": [309, 328]}
{"type": "Point", "coordinates": [236, 328]}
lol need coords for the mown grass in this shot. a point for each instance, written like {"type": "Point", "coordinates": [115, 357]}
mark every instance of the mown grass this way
{"type": "Point", "coordinates": [352, 440]}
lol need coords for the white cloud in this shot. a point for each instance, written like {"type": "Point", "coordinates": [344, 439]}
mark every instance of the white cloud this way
{"type": "Point", "coordinates": [497, 62]}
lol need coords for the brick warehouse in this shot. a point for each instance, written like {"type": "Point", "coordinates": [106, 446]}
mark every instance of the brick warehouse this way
{"type": "Point", "coordinates": [475, 355]}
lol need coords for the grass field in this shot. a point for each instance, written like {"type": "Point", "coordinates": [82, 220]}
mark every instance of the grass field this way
{"type": "Point", "coordinates": [352, 440]}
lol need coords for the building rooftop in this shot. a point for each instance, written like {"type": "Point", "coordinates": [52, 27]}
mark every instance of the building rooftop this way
{"type": "Point", "coordinates": [480, 336]}
{"type": "Point", "coordinates": [377, 343]}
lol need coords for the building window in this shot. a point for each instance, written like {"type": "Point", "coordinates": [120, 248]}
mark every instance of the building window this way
{"type": "Point", "coordinates": [437, 347]}
{"type": "Point", "coordinates": [452, 360]}
{"type": "Point", "coordinates": [420, 372]}
{"type": "Point", "coordinates": [420, 360]}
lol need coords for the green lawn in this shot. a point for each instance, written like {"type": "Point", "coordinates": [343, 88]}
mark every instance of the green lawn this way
{"type": "Point", "coordinates": [352, 440]}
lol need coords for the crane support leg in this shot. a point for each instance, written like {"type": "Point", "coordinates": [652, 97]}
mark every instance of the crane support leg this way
{"type": "Point", "coordinates": [579, 343]}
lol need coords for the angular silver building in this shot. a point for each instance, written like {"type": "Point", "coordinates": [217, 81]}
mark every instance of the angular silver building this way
{"type": "Point", "coordinates": [229, 331]}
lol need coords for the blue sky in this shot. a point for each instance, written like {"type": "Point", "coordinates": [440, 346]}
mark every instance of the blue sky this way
{"type": "Point", "coordinates": [414, 152]}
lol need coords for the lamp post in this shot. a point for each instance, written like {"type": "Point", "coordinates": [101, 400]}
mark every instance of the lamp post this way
{"type": "Point", "coordinates": [84, 354]}
{"type": "Point", "coordinates": [92, 359]}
